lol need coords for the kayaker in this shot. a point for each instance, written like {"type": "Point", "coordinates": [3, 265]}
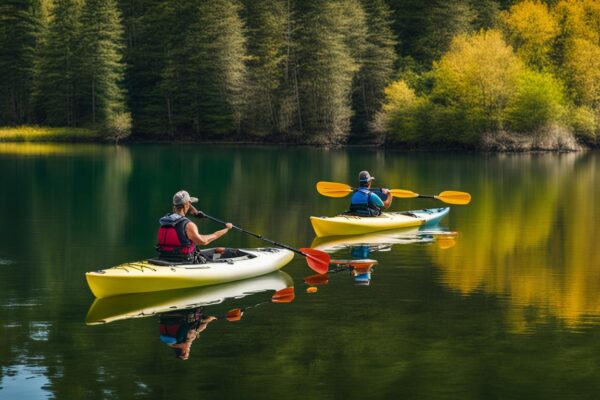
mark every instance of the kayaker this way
{"type": "Point", "coordinates": [366, 202]}
{"type": "Point", "coordinates": [178, 236]}
{"type": "Point", "coordinates": [179, 329]}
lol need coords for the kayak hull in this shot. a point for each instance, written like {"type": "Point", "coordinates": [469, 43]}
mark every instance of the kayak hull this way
{"type": "Point", "coordinates": [143, 276]}
{"type": "Point", "coordinates": [354, 225]}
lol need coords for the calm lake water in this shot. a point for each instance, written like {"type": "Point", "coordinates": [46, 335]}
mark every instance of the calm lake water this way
{"type": "Point", "coordinates": [508, 309]}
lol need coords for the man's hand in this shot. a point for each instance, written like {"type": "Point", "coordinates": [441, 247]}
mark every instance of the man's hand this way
{"type": "Point", "coordinates": [229, 226]}
{"type": "Point", "coordinates": [385, 191]}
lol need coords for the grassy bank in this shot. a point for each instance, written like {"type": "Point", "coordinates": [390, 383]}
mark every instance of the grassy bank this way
{"type": "Point", "coordinates": [47, 134]}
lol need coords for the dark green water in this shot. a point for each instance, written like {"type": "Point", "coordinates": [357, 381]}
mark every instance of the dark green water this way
{"type": "Point", "coordinates": [510, 311]}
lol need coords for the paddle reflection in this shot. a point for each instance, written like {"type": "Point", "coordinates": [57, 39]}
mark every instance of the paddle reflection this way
{"type": "Point", "coordinates": [184, 314]}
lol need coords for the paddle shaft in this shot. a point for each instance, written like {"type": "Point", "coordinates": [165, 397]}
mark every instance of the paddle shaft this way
{"type": "Point", "coordinates": [237, 228]}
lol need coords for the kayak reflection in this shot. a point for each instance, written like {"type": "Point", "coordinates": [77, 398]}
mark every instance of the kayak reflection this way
{"type": "Point", "coordinates": [142, 305]}
{"type": "Point", "coordinates": [362, 246]}
{"type": "Point", "coordinates": [184, 314]}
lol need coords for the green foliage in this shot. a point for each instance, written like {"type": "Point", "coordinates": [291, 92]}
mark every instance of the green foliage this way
{"type": "Point", "coordinates": [269, 31]}
{"type": "Point", "coordinates": [56, 93]}
{"type": "Point", "coordinates": [327, 66]}
{"type": "Point", "coordinates": [20, 26]}
{"type": "Point", "coordinates": [585, 124]}
{"type": "Point", "coordinates": [377, 58]}
{"type": "Point", "coordinates": [479, 72]}
{"type": "Point", "coordinates": [538, 101]}
{"type": "Point", "coordinates": [216, 49]}
{"type": "Point", "coordinates": [101, 66]}
{"type": "Point", "coordinates": [302, 70]}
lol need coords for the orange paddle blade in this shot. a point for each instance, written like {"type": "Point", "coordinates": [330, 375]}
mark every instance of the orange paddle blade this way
{"type": "Point", "coordinates": [404, 194]}
{"type": "Point", "coordinates": [234, 315]}
{"type": "Point", "coordinates": [364, 263]}
{"type": "Point", "coordinates": [286, 295]}
{"type": "Point", "coordinates": [333, 189]}
{"type": "Point", "coordinates": [454, 197]}
{"type": "Point", "coordinates": [317, 280]}
{"type": "Point", "coordinates": [317, 260]}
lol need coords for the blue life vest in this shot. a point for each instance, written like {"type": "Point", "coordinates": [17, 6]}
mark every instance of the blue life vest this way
{"type": "Point", "coordinates": [362, 205]}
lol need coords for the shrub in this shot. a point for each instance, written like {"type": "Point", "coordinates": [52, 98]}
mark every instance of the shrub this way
{"type": "Point", "coordinates": [537, 102]}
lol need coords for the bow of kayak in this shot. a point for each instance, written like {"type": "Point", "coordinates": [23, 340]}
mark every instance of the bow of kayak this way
{"type": "Point", "coordinates": [355, 225]}
{"type": "Point", "coordinates": [150, 276]}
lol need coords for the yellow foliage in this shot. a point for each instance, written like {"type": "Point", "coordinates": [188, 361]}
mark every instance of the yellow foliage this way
{"type": "Point", "coordinates": [532, 29]}
{"type": "Point", "coordinates": [579, 19]}
{"type": "Point", "coordinates": [480, 71]}
{"type": "Point", "coordinates": [398, 96]}
{"type": "Point", "coordinates": [582, 70]}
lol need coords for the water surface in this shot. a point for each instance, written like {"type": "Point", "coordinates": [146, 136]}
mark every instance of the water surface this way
{"type": "Point", "coordinates": [509, 310]}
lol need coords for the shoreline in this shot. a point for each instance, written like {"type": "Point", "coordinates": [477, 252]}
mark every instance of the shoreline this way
{"type": "Point", "coordinates": [46, 135]}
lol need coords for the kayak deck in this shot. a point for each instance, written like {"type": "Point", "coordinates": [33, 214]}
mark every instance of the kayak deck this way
{"type": "Point", "coordinates": [147, 276]}
{"type": "Point", "coordinates": [355, 225]}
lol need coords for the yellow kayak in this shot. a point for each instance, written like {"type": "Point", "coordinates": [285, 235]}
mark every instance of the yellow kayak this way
{"type": "Point", "coordinates": [354, 225]}
{"type": "Point", "coordinates": [154, 275]}
{"type": "Point", "coordinates": [140, 305]}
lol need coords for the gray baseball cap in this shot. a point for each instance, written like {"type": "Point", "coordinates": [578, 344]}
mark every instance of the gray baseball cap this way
{"type": "Point", "coordinates": [364, 176]}
{"type": "Point", "coordinates": [182, 197]}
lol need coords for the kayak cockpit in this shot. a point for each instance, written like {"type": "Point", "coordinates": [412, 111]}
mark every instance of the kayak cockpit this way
{"type": "Point", "coordinates": [213, 255]}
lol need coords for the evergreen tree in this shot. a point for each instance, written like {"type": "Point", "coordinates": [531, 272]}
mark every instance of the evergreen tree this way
{"type": "Point", "coordinates": [101, 64]}
{"type": "Point", "coordinates": [57, 86]}
{"type": "Point", "coordinates": [327, 65]}
{"type": "Point", "coordinates": [377, 69]}
{"type": "Point", "coordinates": [269, 26]}
{"type": "Point", "coordinates": [20, 25]}
{"type": "Point", "coordinates": [159, 66]}
{"type": "Point", "coordinates": [216, 52]}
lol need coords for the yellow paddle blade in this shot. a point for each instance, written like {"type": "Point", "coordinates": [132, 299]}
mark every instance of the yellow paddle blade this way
{"type": "Point", "coordinates": [333, 189]}
{"type": "Point", "coordinates": [404, 194]}
{"type": "Point", "coordinates": [454, 197]}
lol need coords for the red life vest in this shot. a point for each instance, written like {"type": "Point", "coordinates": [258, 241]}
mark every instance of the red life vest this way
{"type": "Point", "coordinates": [173, 243]}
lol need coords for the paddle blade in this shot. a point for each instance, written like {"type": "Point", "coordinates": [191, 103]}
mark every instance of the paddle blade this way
{"type": "Point", "coordinates": [364, 263]}
{"type": "Point", "coordinates": [333, 189]}
{"type": "Point", "coordinates": [234, 315]}
{"type": "Point", "coordinates": [317, 280]}
{"type": "Point", "coordinates": [445, 242]}
{"type": "Point", "coordinates": [454, 197]}
{"type": "Point", "coordinates": [286, 295]}
{"type": "Point", "coordinates": [403, 194]}
{"type": "Point", "coordinates": [317, 260]}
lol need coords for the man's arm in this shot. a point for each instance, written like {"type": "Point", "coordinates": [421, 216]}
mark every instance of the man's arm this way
{"type": "Point", "coordinates": [202, 240]}
{"type": "Point", "coordinates": [388, 201]}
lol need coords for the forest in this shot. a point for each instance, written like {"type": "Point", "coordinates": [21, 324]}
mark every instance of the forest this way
{"type": "Point", "coordinates": [404, 73]}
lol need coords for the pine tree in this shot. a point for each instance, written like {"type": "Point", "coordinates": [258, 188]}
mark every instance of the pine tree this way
{"type": "Point", "coordinates": [377, 69]}
{"type": "Point", "coordinates": [102, 68]}
{"type": "Point", "coordinates": [216, 52]}
{"type": "Point", "coordinates": [327, 65]}
{"type": "Point", "coordinates": [57, 86]}
{"type": "Point", "coordinates": [20, 25]}
{"type": "Point", "coordinates": [272, 107]}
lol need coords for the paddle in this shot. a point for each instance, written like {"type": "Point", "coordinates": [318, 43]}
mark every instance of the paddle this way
{"type": "Point", "coordinates": [316, 259]}
{"type": "Point", "coordinates": [286, 295]}
{"type": "Point", "coordinates": [334, 189]}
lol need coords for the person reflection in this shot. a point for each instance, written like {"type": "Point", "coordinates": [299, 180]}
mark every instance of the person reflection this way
{"type": "Point", "coordinates": [178, 329]}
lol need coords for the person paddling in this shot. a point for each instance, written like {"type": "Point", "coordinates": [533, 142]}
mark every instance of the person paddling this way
{"type": "Point", "coordinates": [366, 202]}
{"type": "Point", "coordinates": [178, 236]}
